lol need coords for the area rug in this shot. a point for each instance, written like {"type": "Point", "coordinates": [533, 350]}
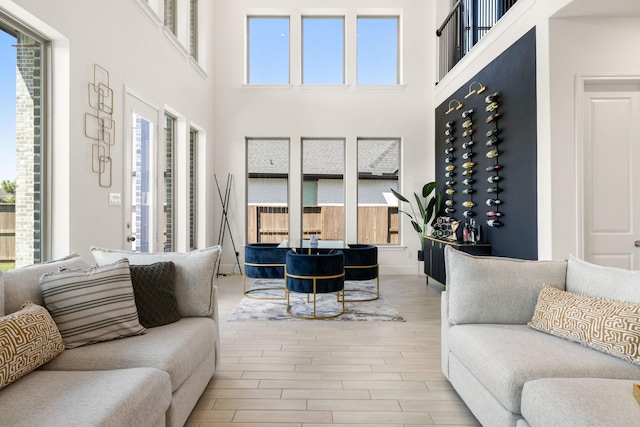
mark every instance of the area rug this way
{"type": "Point", "coordinates": [251, 309]}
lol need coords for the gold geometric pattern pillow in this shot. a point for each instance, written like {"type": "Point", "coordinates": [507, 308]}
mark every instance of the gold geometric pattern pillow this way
{"type": "Point", "coordinates": [610, 326]}
{"type": "Point", "coordinates": [28, 338]}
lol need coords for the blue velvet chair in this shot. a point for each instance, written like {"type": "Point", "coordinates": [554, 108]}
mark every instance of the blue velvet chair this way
{"type": "Point", "coordinates": [315, 274]}
{"type": "Point", "coordinates": [264, 261]}
{"type": "Point", "coordinates": [361, 263]}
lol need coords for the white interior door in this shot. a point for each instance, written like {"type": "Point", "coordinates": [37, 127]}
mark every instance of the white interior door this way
{"type": "Point", "coordinates": [612, 175]}
{"type": "Point", "coordinates": [141, 181]}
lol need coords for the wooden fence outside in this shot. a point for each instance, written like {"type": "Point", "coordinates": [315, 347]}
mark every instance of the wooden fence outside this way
{"type": "Point", "coordinates": [376, 224]}
{"type": "Point", "coordinates": [7, 233]}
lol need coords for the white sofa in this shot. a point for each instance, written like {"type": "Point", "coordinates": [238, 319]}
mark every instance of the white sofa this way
{"type": "Point", "coordinates": [510, 374]}
{"type": "Point", "coordinates": [153, 379]}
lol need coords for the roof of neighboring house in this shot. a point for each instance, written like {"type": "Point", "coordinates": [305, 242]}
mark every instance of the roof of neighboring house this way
{"type": "Point", "coordinates": [323, 156]}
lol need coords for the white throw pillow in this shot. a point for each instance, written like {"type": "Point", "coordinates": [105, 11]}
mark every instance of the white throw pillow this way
{"type": "Point", "coordinates": [195, 274]}
{"type": "Point", "coordinates": [92, 305]}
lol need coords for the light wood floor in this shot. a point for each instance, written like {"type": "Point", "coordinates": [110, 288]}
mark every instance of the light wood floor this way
{"type": "Point", "coordinates": [321, 373]}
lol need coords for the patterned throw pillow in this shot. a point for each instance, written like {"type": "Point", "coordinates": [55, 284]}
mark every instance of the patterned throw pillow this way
{"type": "Point", "coordinates": [154, 289]}
{"type": "Point", "coordinates": [92, 305]}
{"type": "Point", "coordinates": [603, 324]}
{"type": "Point", "coordinates": [28, 338]}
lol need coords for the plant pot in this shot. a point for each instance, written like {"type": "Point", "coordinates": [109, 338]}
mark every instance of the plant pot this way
{"type": "Point", "coordinates": [420, 255]}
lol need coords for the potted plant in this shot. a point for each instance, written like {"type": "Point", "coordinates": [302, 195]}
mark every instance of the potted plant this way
{"type": "Point", "coordinates": [424, 213]}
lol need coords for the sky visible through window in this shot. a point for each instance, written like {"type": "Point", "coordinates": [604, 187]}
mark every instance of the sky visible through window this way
{"type": "Point", "coordinates": [377, 51]}
{"type": "Point", "coordinates": [323, 50]}
{"type": "Point", "coordinates": [268, 50]}
{"type": "Point", "coordinates": [7, 107]}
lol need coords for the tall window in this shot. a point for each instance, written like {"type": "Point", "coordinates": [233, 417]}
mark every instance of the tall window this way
{"type": "Point", "coordinates": [193, 28]}
{"type": "Point", "coordinates": [267, 190]}
{"type": "Point", "coordinates": [377, 58]}
{"type": "Point", "coordinates": [170, 15]}
{"type": "Point", "coordinates": [268, 50]}
{"type": "Point", "coordinates": [169, 195]}
{"type": "Point", "coordinates": [193, 188]}
{"type": "Point", "coordinates": [323, 188]}
{"type": "Point", "coordinates": [322, 50]}
{"type": "Point", "coordinates": [22, 153]}
{"type": "Point", "coordinates": [378, 163]}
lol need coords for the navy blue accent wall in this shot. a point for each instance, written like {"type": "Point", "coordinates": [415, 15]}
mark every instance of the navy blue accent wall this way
{"type": "Point", "coordinates": [513, 74]}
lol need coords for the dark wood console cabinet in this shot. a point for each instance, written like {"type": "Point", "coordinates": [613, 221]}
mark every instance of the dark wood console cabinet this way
{"type": "Point", "coordinates": [434, 255]}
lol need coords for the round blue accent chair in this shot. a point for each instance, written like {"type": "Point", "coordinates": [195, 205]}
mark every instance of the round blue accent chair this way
{"type": "Point", "coordinates": [264, 261]}
{"type": "Point", "coordinates": [361, 263]}
{"type": "Point", "coordinates": [315, 274]}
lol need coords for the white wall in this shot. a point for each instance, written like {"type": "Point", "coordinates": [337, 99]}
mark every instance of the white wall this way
{"type": "Point", "coordinates": [339, 111]}
{"type": "Point", "coordinates": [120, 37]}
{"type": "Point", "coordinates": [582, 47]}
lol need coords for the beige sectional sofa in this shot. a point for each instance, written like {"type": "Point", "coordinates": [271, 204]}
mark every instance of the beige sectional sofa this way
{"type": "Point", "coordinates": [523, 354]}
{"type": "Point", "coordinates": [152, 378]}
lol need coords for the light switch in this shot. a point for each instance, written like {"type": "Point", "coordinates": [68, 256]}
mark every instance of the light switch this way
{"type": "Point", "coordinates": [114, 199]}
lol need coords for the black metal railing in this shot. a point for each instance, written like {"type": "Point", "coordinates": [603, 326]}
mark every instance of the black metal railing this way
{"type": "Point", "coordinates": [464, 26]}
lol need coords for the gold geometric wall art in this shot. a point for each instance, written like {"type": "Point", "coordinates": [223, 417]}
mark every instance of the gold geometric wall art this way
{"type": "Point", "coordinates": [99, 125]}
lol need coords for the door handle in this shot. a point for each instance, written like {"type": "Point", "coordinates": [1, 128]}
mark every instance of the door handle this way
{"type": "Point", "coordinates": [637, 244]}
{"type": "Point", "coordinates": [131, 238]}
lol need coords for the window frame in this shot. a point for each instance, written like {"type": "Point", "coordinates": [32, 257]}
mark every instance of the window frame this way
{"type": "Point", "coordinates": [42, 226]}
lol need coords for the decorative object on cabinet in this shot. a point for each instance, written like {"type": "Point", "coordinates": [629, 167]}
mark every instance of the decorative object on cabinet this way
{"type": "Point", "coordinates": [427, 207]}
{"type": "Point", "coordinates": [445, 228]}
{"type": "Point", "coordinates": [100, 126]}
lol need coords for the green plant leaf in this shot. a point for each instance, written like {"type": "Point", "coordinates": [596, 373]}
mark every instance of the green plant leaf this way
{"type": "Point", "coordinates": [428, 188]}
{"type": "Point", "coordinates": [420, 205]}
{"type": "Point", "coordinates": [417, 227]}
{"type": "Point", "coordinates": [430, 209]}
{"type": "Point", "coordinates": [399, 196]}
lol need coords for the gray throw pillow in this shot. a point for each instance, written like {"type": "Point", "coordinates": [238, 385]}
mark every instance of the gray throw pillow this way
{"type": "Point", "coordinates": [21, 284]}
{"type": "Point", "coordinates": [154, 289]}
{"type": "Point", "coordinates": [92, 305]}
{"type": "Point", "coordinates": [600, 281]}
{"type": "Point", "coordinates": [496, 289]}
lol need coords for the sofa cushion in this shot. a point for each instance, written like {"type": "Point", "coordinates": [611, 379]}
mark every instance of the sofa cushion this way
{"type": "Point", "coordinates": [599, 281]}
{"type": "Point", "coordinates": [177, 348]}
{"type": "Point", "coordinates": [92, 305]}
{"type": "Point", "coordinates": [496, 290]}
{"type": "Point", "coordinates": [195, 273]}
{"type": "Point", "coordinates": [577, 402]}
{"type": "Point", "coordinates": [504, 357]}
{"type": "Point", "coordinates": [600, 323]}
{"type": "Point", "coordinates": [28, 338]}
{"type": "Point", "coordinates": [129, 397]}
{"type": "Point", "coordinates": [155, 292]}
{"type": "Point", "coordinates": [22, 284]}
